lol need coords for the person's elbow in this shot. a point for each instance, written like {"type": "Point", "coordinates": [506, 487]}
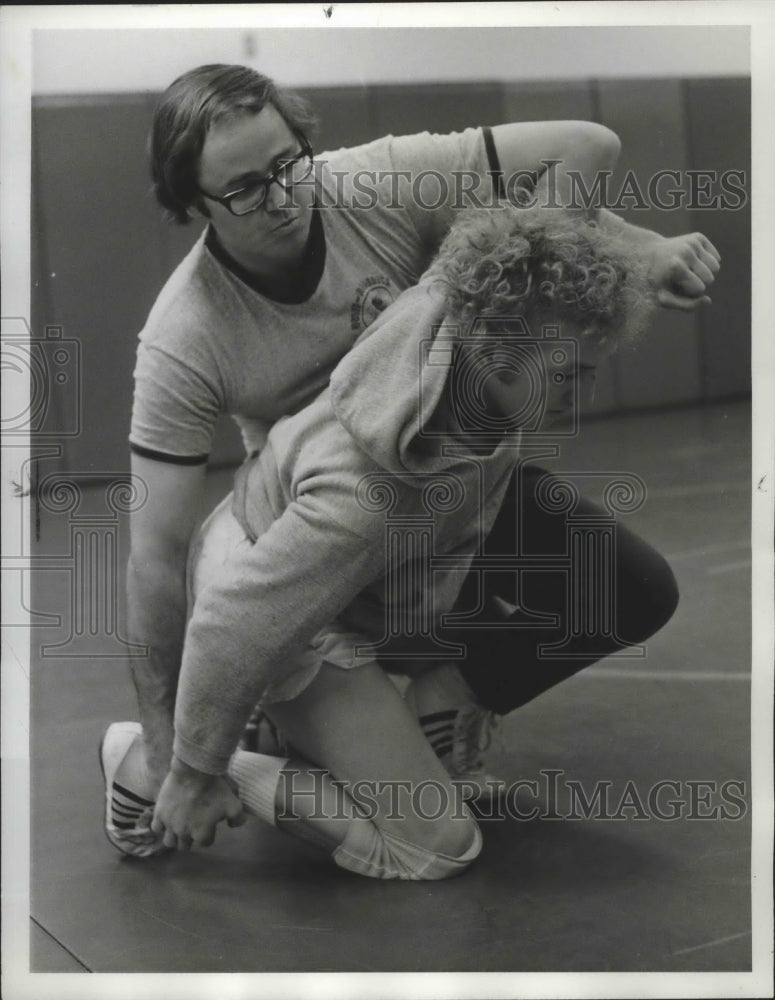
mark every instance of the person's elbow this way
{"type": "Point", "coordinates": [601, 145]}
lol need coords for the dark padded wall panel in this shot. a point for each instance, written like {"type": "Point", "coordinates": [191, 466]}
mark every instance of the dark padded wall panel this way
{"type": "Point", "coordinates": [648, 116]}
{"type": "Point", "coordinates": [344, 116]}
{"type": "Point", "coordinates": [548, 101]}
{"type": "Point", "coordinates": [101, 253]}
{"type": "Point", "coordinates": [719, 138]}
{"type": "Point", "coordinates": [177, 240]}
{"type": "Point", "coordinates": [441, 108]}
{"type": "Point", "coordinates": [98, 261]}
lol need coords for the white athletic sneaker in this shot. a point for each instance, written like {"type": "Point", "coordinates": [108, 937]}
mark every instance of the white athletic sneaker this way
{"type": "Point", "coordinates": [124, 798]}
{"type": "Point", "coordinates": [458, 729]}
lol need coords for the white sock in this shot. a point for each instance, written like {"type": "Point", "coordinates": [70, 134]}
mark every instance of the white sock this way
{"type": "Point", "coordinates": [257, 776]}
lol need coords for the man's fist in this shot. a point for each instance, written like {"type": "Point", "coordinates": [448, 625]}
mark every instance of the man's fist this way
{"type": "Point", "coordinates": [682, 270]}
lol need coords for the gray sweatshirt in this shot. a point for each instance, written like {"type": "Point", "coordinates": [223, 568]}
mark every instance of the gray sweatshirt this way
{"type": "Point", "coordinates": [341, 488]}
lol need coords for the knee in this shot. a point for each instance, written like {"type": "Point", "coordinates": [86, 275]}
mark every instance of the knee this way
{"type": "Point", "coordinates": [664, 594]}
{"type": "Point", "coordinates": [458, 839]}
{"type": "Point", "coordinates": [435, 848]}
{"type": "Point", "coordinates": [377, 853]}
{"type": "Point", "coordinates": [650, 600]}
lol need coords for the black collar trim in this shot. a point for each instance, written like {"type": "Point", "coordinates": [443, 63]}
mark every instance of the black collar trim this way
{"type": "Point", "coordinates": [307, 277]}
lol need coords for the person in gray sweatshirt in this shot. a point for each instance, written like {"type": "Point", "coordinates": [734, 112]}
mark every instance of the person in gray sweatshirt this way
{"type": "Point", "coordinates": [366, 509]}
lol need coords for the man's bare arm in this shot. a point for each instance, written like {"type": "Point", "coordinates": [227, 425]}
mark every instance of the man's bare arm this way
{"type": "Point", "coordinates": [559, 153]}
{"type": "Point", "coordinates": [156, 596]}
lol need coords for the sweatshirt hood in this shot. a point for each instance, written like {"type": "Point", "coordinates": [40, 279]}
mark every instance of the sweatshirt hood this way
{"type": "Point", "coordinates": [390, 383]}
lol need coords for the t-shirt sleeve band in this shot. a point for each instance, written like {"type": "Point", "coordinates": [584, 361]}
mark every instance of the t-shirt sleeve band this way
{"type": "Point", "coordinates": [492, 158]}
{"type": "Point", "coordinates": [160, 456]}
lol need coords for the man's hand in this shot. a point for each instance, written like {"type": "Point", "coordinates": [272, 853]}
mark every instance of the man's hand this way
{"type": "Point", "coordinates": [190, 806]}
{"type": "Point", "coordinates": [682, 270]}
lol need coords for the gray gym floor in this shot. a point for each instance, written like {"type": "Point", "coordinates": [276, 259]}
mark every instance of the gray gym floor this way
{"type": "Point", "coordinates": [578, 895]}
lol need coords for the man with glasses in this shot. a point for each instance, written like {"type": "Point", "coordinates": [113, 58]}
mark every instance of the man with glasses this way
{"type": "Point", "coordinates": [297, 259]}
{"type": "Point", "coordinates": [253, 195]}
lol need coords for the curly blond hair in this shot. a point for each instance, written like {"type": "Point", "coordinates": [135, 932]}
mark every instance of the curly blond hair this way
{"type": "Point", "coordinates": [511, 261]}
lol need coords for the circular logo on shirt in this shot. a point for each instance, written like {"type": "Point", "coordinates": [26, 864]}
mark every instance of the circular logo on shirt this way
{"type": "Point", "coordinates": [372, 296]}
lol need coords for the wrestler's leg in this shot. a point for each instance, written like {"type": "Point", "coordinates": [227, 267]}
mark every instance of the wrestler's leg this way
{"type": "Point", "coordinates": [353, 726]}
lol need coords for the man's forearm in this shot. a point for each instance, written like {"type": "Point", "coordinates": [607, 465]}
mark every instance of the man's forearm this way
{"type": "Point", "coordinates": [564, 165]}
{"type": "Point", "coordinates": [556, 189]}
{"type": "Point", "coordinates": [559, 186]}
{"type": "Point", "coordinates": [156, 613]}
{"type": "Point", "coordinates": [681, 269]}
{"type": "Point", "coordinates": [252, 622]}
{"type": "Point", "coordinates": [607, 220]}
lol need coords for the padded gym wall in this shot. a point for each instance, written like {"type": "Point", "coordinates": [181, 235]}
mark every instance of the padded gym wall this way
{"type": "Point", "coordinates": [101, 250]}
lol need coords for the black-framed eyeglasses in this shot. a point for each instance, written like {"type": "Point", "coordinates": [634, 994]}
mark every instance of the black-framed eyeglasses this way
{"type": "Point", "coordinates": [250, 198]}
